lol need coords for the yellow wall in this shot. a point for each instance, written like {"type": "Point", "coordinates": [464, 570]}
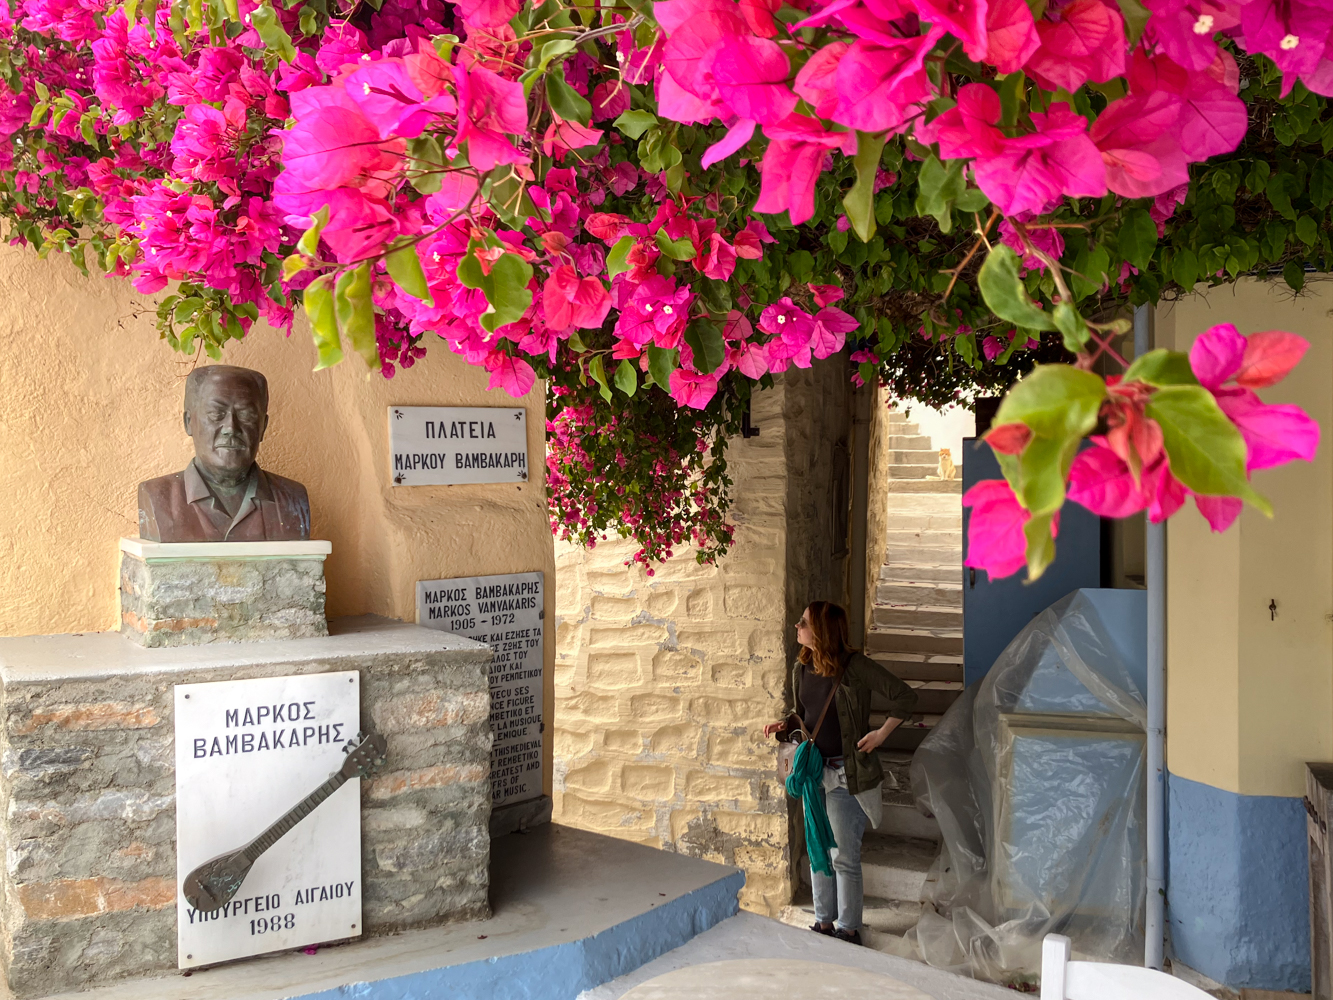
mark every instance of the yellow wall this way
{"type": "Point", "coordinates": [91, 406]}
{"type": "Point", "coordinates": [1249, 697]}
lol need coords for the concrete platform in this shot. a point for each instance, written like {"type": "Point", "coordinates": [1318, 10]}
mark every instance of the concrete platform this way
{"type": "Point", "coordinates": [748, 936]}
{"type": "Point", "coordinates": [572, 910]}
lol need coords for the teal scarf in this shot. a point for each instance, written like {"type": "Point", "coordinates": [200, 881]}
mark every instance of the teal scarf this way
{"type": "Point", "coordinates": [806, 782]}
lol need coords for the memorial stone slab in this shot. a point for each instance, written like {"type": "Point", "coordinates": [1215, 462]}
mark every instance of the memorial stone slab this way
{"type": "Point", "coordinates": [249, 754]}
{"type": "Point", "coordinates": [445, 445]}
{"type": "Point", "coordinates": [506, 613]}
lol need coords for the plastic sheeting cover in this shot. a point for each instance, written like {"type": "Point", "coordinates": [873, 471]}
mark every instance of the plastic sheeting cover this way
{"type": "Point", "coordinates": [1036, 776]}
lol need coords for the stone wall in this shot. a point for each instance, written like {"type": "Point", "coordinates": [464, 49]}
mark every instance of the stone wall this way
{"type": "Point", "coordinates": [663, 683]}
{"type": "Point", "coordinates": [87, 789]}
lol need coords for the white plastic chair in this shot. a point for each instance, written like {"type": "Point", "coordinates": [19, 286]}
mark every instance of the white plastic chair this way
{"type": "Point", "coordinates": [1062, 979]}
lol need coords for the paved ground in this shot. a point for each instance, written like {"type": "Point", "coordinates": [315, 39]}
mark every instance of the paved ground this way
{"type": "Point", "coordinates": [747, 936]}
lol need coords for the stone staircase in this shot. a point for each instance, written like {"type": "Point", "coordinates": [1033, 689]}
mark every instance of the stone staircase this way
{"type": "Point", "coordinates": [917, 633]}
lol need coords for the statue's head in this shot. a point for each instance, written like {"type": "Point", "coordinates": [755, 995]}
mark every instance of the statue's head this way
{"type": "Point", "coordinates": [226, 412]}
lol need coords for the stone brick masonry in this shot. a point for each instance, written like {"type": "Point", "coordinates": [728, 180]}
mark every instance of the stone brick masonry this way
{"type": "Point", "coordinates": [87, 788]}
{"type": "Point", "coordinates": [663, 683]}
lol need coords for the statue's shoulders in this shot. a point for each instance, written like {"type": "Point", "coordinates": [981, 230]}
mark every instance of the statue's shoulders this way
{"type": "Point", "coordinates": [162, 486]}
{"type": "Point", "coordinates": [282, 485]}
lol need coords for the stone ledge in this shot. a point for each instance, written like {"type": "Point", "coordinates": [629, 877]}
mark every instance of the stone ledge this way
{"type": "Point", "coordinates": [150, 551]}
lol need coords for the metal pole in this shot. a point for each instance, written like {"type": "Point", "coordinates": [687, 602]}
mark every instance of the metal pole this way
{"type": "Point", "coordinates": [1155, 572]}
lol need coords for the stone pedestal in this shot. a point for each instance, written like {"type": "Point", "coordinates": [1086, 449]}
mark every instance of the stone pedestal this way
{"type": "Point", "coordinates": [87, 789]}
{"type": "Point", "coordinates": [187, 593]}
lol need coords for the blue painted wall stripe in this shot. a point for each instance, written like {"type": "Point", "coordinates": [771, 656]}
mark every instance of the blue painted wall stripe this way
{"type": "Point", "coordinates": [1238, 886]}
{"type": "Point", "coordinates": [561, 972]}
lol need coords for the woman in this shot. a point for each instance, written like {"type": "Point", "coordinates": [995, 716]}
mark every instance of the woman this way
{"type": "Point", "coordinates": [852, 772]}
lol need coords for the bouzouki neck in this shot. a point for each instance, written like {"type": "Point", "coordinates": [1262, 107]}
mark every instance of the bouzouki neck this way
{"type": "Point", "coordinates": [300, 811]}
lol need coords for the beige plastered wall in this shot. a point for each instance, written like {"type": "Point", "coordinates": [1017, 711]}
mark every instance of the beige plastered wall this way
{"type": "Point", "coordinates": [91, 405]}
{"type": "Point", "coordinates": [663, 683]}
{"type": "Point", "coordinates": [1250, 695]}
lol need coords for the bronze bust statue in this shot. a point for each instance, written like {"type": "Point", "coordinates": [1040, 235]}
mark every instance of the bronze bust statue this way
{"type": "Point", "coordinates": [223, 495]}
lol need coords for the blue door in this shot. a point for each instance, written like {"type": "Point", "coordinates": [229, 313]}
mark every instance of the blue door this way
{"type": "Point", "coordinates": [994, 611]}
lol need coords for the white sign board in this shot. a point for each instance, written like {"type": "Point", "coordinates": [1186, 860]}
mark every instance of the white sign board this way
{"type": "Point", "coordinates": [506, 613]}
{"type": "Point", "coordinates": [444, 445]}
{"type": "Point", "coordinates": [247, 752]}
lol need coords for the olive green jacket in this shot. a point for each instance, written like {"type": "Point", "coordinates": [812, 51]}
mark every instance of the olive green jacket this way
{"type": "Point", "coordinates": [862, 677]}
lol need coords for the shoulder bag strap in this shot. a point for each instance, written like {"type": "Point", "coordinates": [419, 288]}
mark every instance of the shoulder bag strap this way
{"type": "Point", "coordinates": [837, 681]}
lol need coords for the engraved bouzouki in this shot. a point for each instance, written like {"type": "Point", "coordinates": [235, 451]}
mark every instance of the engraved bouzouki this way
{"type": "Point", "coordinates": [216, 881]}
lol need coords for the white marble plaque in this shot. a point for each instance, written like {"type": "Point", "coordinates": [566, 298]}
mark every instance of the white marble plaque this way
{"type": "Point", "coordinates": [247, 752]}
{"type": "Point", "coordinates": [444, 445]}
{"type": "Point", "coordinates": [505, 612]}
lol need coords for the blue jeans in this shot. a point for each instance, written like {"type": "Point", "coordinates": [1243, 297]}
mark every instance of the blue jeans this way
{"type": "Point", "coordinates": [840, 895]}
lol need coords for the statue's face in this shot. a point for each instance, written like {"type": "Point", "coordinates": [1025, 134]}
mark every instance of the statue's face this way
{"type": "Point", "coordinates": [227, 423]}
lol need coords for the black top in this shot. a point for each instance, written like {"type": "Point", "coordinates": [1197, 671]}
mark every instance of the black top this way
{"type": "Point", "coordinates": [814, 695]}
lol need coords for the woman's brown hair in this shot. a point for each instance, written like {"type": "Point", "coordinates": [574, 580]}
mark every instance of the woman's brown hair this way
{"type": "Point", "coordinates": [828, 628]}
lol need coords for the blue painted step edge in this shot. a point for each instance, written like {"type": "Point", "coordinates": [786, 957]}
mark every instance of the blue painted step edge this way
{"type": "Point", "coordinates": [561, 972]}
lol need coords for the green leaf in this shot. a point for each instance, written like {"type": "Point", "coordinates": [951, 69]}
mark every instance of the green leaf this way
{"type": "Point", "coordinates": [356, 312]}
{"type": "Point", "coordinates": [1279, 197]}
{"type": "Point", "coordinates": [1071, 325]}
{"type": "Point", "coordinates": [860, 200]}
{"type": "Point", "coordinates": [616, 262]}
{"type": "Point", "coordinates": [627, 379]}
{"type": "Point", "coordinates": [1321, 183]}
{"type": "Point", "coordinates": [1004, 293]}
{"type": "Point", "coordinates": [1185, 268]}
{"type": "Point", "coordinates": [264, 19]}
{"type": "Point", "coordinates": [1136, 18]}
{"type": "Point", "coordinates": [938, 188]}
{"type": "Point", "coordinates": [1162, 367]}
{"type": "Point", "coordinates": [404, 267]}
{"type": "Point", "coordinates": [425, 168]}
{"type": "Point", "coordinates": [1090, 267]}
{"type": "Point", "coordinates": [470, 272]}
{"type": "Point", "coordinates": [1206, 450]}
{"type": "Point", "coordinates": [1293, 272]}
{"type": "Point", "coordinates": [705, 340]}
{"type": "Point", "coordinates": [566, 102]}
{"type": "Point", "coordinates": [1012, 90]}
{"type": "Point", "coordinates": [1138, 238]}
{"type": "Point", "coordinates": [681, 249]}
{"type": "Point", "coordinates": [1307, 230]}
{"type": "Point", "coordinates": [318, 300]}
{"type": "Point", "coordinates": [634, 123]}
{"type": "Point", "coordinates": [972, 200]}
{"type": "Point", "coordinates": [308, 244]}
{"type": "Point", "coordinates": [598, 371]}
{"type": "Point", "coordinates": [553, 49]}
{"type": "Point", "coordinates": [506, 289]}
{"type": "Point", "coordinates": [1041, 546]}
{"type": "Point", "coordinates": [661, 363]}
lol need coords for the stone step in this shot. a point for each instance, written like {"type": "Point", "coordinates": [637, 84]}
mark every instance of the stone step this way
{"type": "Point", "coordinates": [883, 916]}
{"type": "Point", "coordinates": [915, 640]}
{"type": "Point", "coordinates": [932, 697]}
{"type": "Point", "coordinates": [924, 521]}
{"type": "Point", "coordinates": [948, 537]}
{"type": "Point", "coordinates": [919, 442]}
{"type": "Point", "coordinates": [894, 867]}
{"type": "Point", "coordinates": [914, 471]}
{"type": "Point", "coordinates": [905, 820]}
{"type": "Point", "coordinates": [909, 735]}
{"type": "Point", "coordinates": [903, 484]}
{"type": "Point", "coordinates": [906, 572]}
{"type": "Point", "coordinates": [944, 595]}
{"type": "Point", "coordinates": [925, 555]}
{"type": "Point", "coordinates": [903, 502]}
{"type": "Point", "coordinates": [919, 617]}
{"type": "Point", "coordinates": [920, 667]}
{"type": "Point", "coordinates": [914, 456]}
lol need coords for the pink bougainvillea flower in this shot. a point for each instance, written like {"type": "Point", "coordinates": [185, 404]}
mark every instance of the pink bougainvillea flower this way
{"type": "Point", "coordinates": [570, 301]}
{"type": "Point", "coordinates": [737, 136]}
{"type": "Point", "coordinates": [333, 144]}
{"type": "Point", "coordinates": [964, 19]}
{"type": "Point", "coordinates": [831, 328]}
{"type": "Point", "coordinates": [995, 539]}
{"type": "Point", "coordinates": [1268, 357]}
{"type": "Point", "coordinates": [489, 107]}
{"type": "Point", "coordinates": [1011, 35]}
{"type": "Point", "coordinates": [792, 163]}
{"type": "Point", "coordinates": [609, 99]}
{"type": "Point", "coordinates": [1045, 239]}
{"type": "Point", "coordinates": [826, 295]}
{"type": "Point", "coordinates": [696, 30]}
{"type": "Point", "coordinates": [1035, 171]}
{"type": "Point", "coordinates": [1293, 33]}
{"type": "Point", "coordinates": [788, 320]}
{"type": "Point", "coordinates": [751, 360]}
{"type": "Point", "coordinates": [751, 78]}
{"type": "Point", "coordinates": [1080, 41]}
{"type": "Point", "coordinates": [656, 312]}
{"type": "Point", "coordinates": [390, 99]}
{"type": "Point", "coordinates": [817, 81]}
{"type": "Point", "coordinates": [692, 389]}
{"type": "Point", "coordinates": [488, 13]}
{"type": "Point", "coordinates": [992, 347]}
{"type": "Point", "coordinates": [1217, 354]}
{"type": "Point", "coordinates": [1184, 30]}
{"type": "Point", "coordinates": [1274, 433]}
{"type": "Point", "coordinates": [1212, 120]}
{"type": "Point", "coordinates": [1137, 136]}
{"type": "Point", "coordinates": [970, 128]}
{"type": "Point", "coordinates": [514, 375]}
{"type": "Point", "coordinates": [880, 87]}
{"type": "Point", "coordinates": [717, 260]}
{"type": "Point", "coordinates": [563, 137]}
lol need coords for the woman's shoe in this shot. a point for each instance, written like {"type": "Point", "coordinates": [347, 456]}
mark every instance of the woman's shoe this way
{"type": "Point", "coordinates": [826, 929]}
{"type": "Point", "coordinates": [851, 937]}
